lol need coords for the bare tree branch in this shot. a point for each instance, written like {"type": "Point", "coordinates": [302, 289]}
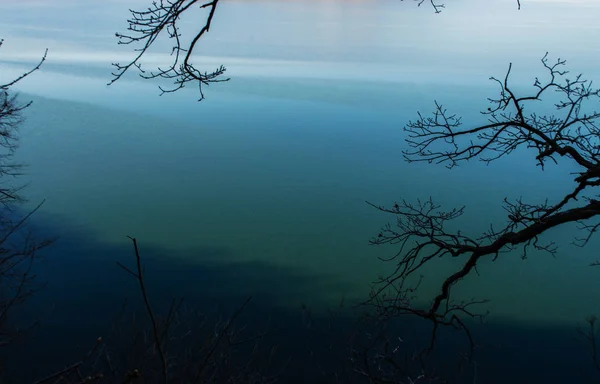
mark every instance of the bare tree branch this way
{"type": "Point", "coordinates": [18, 246]}
{"type": "Point", "coordinates": [421, 232]}
{"type": "Point", "coordinates": [162, 17]}
{"type": "Point", "coordinates": [590, 335]}
{"type": "Point", "coordinates": [138, 274]}
{"type": "Point", "coordinates": [24, 75]}
{"type": "Point", "coordinates": [197, 361]}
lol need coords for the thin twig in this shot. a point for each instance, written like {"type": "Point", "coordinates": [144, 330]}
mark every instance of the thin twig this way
{"type": "Point", "coordinates": [155, 329]}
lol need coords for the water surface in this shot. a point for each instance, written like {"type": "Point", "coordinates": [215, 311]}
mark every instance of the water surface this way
{"type": "Point", "coordinates": [274, 168]}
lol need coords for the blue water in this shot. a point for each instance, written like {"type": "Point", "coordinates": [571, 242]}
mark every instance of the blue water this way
{"type": "Point", "coordinates": [260, 189]}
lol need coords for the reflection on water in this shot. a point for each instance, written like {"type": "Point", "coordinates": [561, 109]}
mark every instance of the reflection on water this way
{"type": "Point", "coordinates": [91, 283]}
{"type": "Point", "coordinates": [261, 189]}
{"type": "Point", "coordinates": [284, 182]}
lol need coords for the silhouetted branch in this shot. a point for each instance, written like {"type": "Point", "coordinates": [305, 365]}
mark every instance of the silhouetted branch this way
{"type": "Point", "coordinates": [24, 75]}
{"type": "Point", "coordinates": [16, 277]}
{"type": "Point", "coordinates": [10, 119]}
{"type": "Point", "coordinates": [368, 349]}
{"type": "Point", "coordinates": [176, 348]}
{"type": "Point", "coordinates": [382, 358]}
{"type": "Point", "coordinates": [211, 361]}
{"type": "Point", "coordinates": [219, 339]}
{"type": "Point", "coordinates": [421, 231]}
{"type": "Point", "coordinates": [139, 275]}
{"type": "Point", "coordinates": [590, 336]}
{"type": "Point", "coordinates": [60, 374]}
{"type": "Point", "coordinates": [18, 247]}
{"type": "Point", "coordinates": [161, 18]}
{"type": "Point", "coordinates": [437, 7]}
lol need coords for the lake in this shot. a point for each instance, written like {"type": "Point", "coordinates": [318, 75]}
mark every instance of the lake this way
{"type": "Point", "coordinates": [261, 188]}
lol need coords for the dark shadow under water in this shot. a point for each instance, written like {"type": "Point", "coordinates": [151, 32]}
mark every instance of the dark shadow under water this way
{"type": "Point", "coordinates": [85, 290]}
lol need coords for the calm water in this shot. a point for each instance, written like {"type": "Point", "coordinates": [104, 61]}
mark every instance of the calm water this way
{"type": "Point", "coordinates": [262, 187]}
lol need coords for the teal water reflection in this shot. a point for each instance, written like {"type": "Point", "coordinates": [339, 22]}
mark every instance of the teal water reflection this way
{"type": "Point", "coordinates": [284, 181]}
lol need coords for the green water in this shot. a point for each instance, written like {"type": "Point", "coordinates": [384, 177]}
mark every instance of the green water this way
{"type": "Point", "coordinates": [284, 182]}
{"type": "Point", "coordinates": [260, 189]}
